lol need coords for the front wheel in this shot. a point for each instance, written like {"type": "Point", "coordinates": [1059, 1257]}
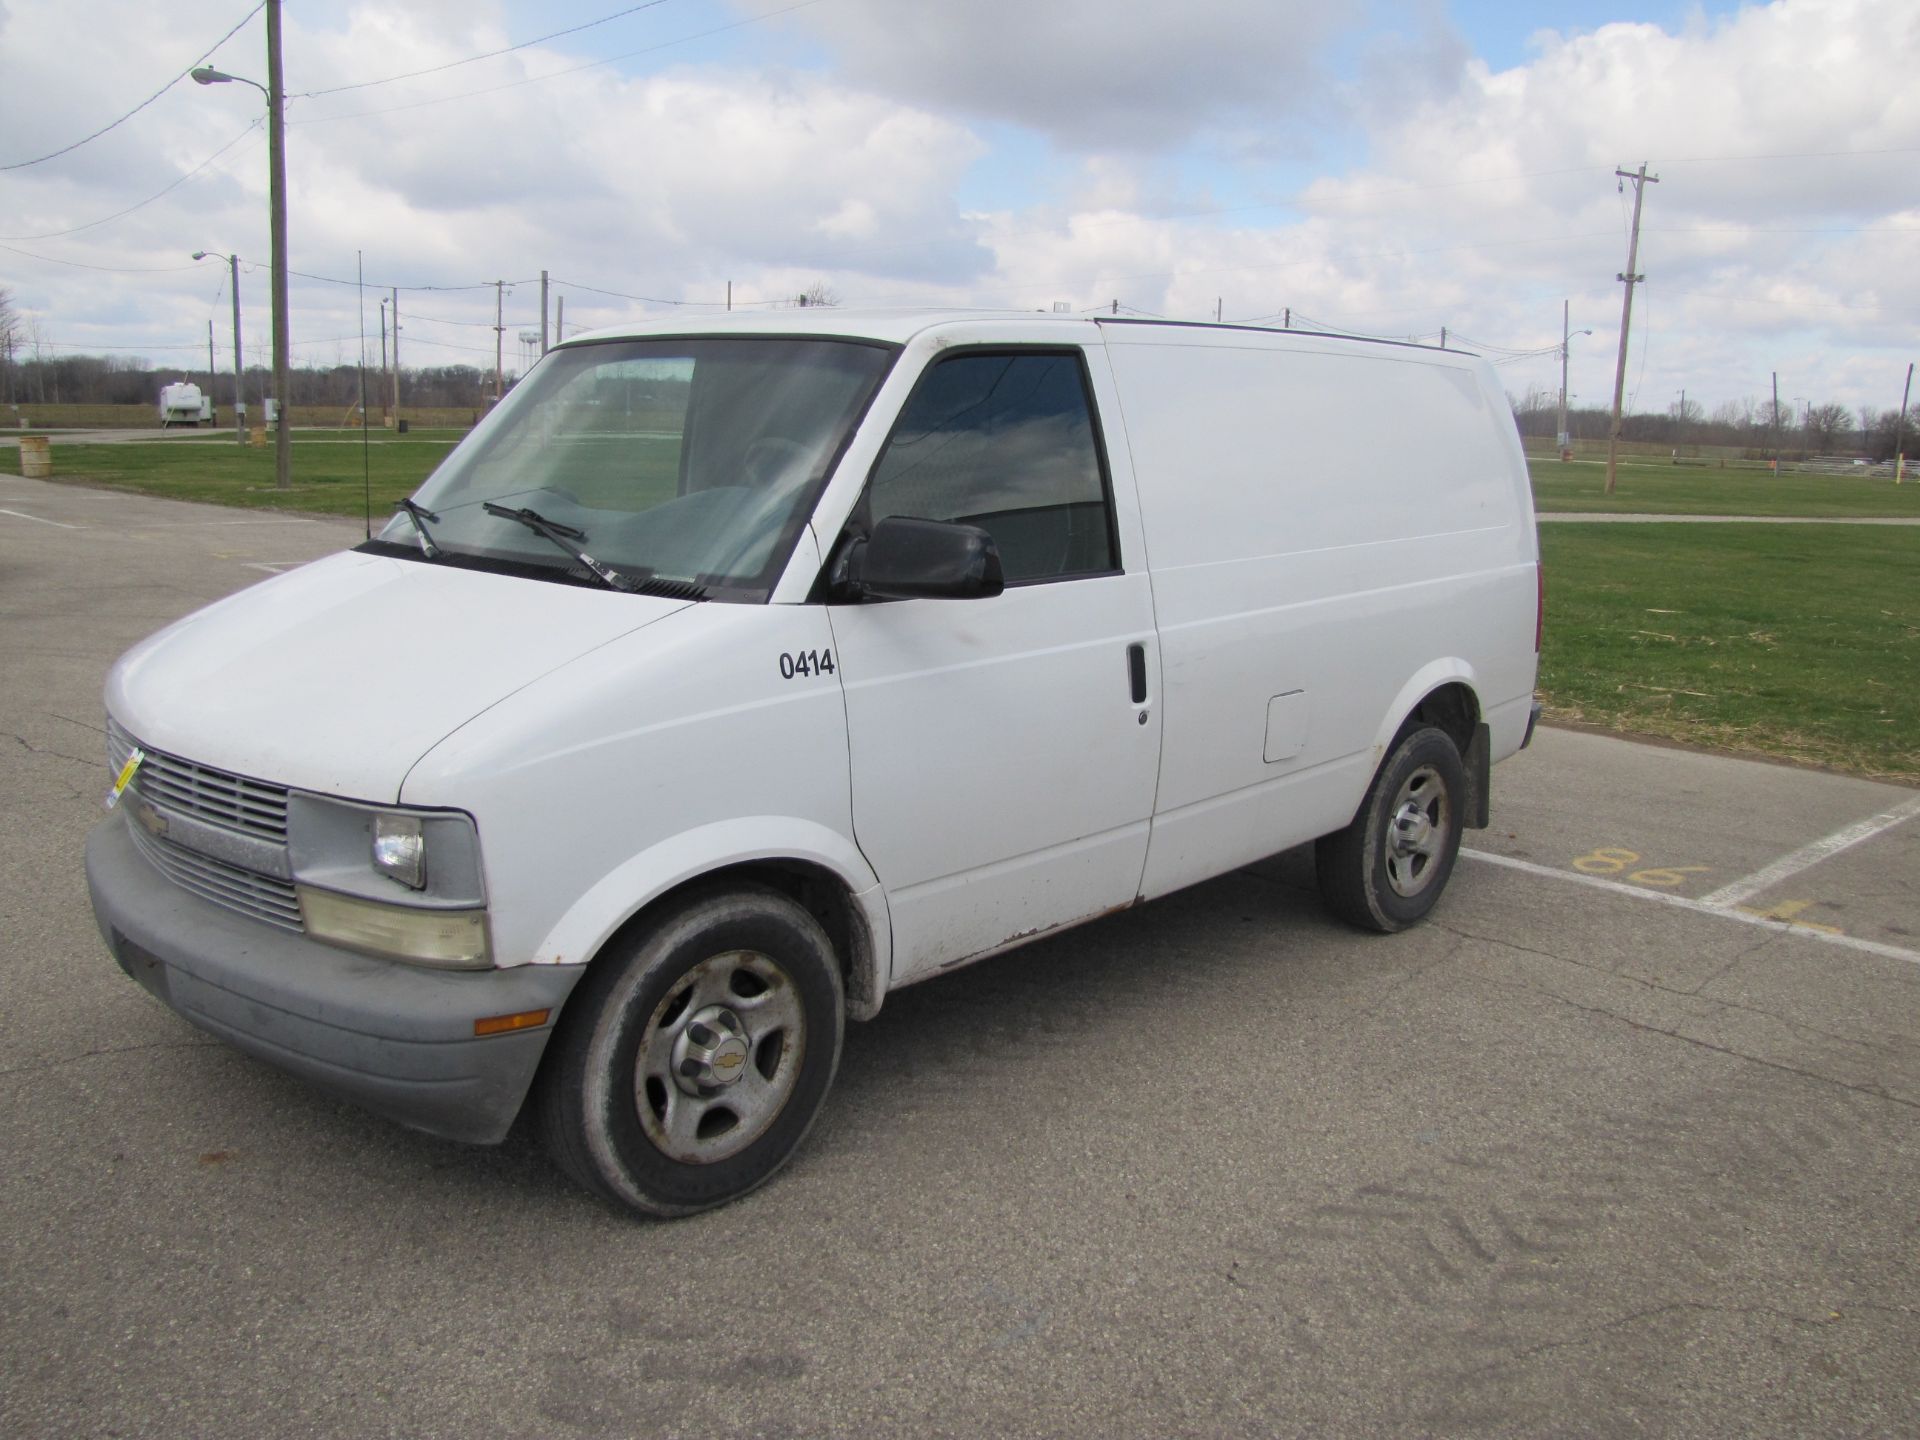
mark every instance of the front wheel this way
{"type": "Point", "coordinates": [689, 1066]}
{"type": "Point", "coordinates": [1386, 870]}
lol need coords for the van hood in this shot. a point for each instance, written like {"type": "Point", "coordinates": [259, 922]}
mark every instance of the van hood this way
{"type": "Point", "coordinates": [338, 676]}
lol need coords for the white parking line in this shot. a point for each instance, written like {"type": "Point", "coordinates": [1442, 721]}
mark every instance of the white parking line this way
{"type": "Point", "coordinates": [1698, 907]}
{"type": "Point", "coordinates": [19, 515]}
{"type": "Point", "coordinates": [1810, 855]}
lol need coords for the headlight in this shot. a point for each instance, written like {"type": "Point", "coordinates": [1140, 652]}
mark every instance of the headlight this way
{"type": "Point", "coordinates": [387, 881]}
{"type": "Point", "coordinates": [400, 849]}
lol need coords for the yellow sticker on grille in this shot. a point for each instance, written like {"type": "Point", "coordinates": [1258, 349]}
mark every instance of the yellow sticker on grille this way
{"type": "Point", "coordinates": [125, 777]}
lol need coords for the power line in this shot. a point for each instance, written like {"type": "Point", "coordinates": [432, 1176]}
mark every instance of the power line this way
{"type": "Point", "coordinates": [570, 70]}
{"type": "Point", "coordinates": [118, 214]}
{"type": "Point", "coordinates": [65, 149]}
{"type": "Point", "coordinates": [107, 269]}
{"type": "Point", "coordinates": [489, 55]}
{"type": "Point", "coordinates": [622, 295]}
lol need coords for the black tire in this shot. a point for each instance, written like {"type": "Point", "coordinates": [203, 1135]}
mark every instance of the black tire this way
{"type": "Point", "coordinates": [1386, 870]}
{"type": "Point", "coordinates": [739, 984]}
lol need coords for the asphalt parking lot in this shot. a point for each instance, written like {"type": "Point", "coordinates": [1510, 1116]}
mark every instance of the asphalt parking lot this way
{"type": "Point", "coordinates": [1623, 1142]}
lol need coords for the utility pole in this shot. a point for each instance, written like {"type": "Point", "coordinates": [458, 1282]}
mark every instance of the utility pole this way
{"type": "Point", "coordinates": [1443, 337]}
{"type": "Point", "coordinates": [543, 312]}
{"type": "Point", "coordinates": [383, 354]}
{"type": "Point", "coordinates": [729, 295]}
{"type": "Point", "coordinates": [559, 318]}
{"type": "Point", "coordinates": [1216, 309]}
{"type": "Point", "coordinates": [396, 356]}
{"type": "Point", "coordinates": [1640, 180]}
{"type": "Point", "coordinates": [1776, 422]}
{"type": "Point", "coordinates": [499, 334]}
{"type": "Point", "coordinates": [277, 203]}
{"type": "Point", "coordinates": [239, 381]}
{"type": "Point", "coordinates": [1900, 431]}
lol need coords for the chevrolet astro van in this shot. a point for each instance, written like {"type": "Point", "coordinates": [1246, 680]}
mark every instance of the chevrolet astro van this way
{"type": "Point", "coordinates": [735, 672]}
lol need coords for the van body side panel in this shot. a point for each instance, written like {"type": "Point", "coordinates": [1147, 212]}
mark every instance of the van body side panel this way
{"type": "Point", "coordinates": [634, 745]}
{"type": "Point", "coordinates": [1002, 780]}
{"type": "Point", "coordinates": [1299, 551]}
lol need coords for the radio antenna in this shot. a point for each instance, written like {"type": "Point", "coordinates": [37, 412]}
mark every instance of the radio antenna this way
{"type": "Point", "coordinates": [366, 441]}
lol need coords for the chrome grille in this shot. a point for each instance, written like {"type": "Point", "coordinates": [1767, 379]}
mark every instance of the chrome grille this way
{"type": "Point", "coordinates": [220, 800]}
{"type": "Point", "coordinates": [252, 807]}
{"type": "Point", "coordinates": [260, 896]}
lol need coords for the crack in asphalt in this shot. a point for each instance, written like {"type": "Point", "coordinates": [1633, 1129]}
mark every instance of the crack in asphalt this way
{"type": "Point", "coordinates": [1720, 1005]}
{"type": "Point", "coordinates": [1871, 1092]}
{"type": "Point", "coordinates": [1409, 978]}
{"type": "Point", "coordinates": [99, 730]}
{"type": "Point", "coordinates": [105, 1050]}
{"type": "Point", "coordinates": [32, 749]}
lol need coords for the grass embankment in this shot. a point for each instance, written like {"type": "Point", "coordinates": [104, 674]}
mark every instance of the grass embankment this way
{"type": "Point", "coordinates": [1576, 486]}
{"type": "Point", "coordinates": [327, 470]}
{"type": "Point", "coordinates": [1795, 641]}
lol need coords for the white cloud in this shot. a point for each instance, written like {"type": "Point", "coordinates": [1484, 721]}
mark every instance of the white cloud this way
{"type": "Point", "coordinates": [1135, 138]}
{"type": "Point", "coordinates": [1091, 74]}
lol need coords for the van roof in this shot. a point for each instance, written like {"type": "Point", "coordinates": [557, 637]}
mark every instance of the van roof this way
{"type": "Point", "coordinates": [897, 326]}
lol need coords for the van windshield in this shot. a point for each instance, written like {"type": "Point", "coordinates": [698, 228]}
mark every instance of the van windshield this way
{"type": "Point", "coordinates": [690, 461]}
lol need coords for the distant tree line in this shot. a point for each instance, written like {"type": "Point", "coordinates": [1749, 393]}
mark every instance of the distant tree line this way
{"type": "Point", "coordinates": [32, 373]}
{"type": "Point", "coordinates": [113, 380]}
{"type": "Point", "coordinates": [1748, 424]}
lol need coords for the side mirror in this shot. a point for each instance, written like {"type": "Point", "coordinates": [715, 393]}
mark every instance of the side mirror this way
{"type": "Point", "coordinates": [920, 560]}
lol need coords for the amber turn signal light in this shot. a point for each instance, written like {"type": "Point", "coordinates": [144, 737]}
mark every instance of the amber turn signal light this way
{"type": "Point", "coordinates": [503, 1024]}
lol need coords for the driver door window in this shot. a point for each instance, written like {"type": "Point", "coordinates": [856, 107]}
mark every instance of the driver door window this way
{"type": "Point", "coordinates": [1005, 442]}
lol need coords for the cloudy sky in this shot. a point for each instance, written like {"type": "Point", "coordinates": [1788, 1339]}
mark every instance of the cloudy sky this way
{"type": "Point", "coordinates": [1389, 167]}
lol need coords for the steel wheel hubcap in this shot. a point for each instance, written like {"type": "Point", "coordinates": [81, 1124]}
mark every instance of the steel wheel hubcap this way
{"type": "Point", "coordinates": [1417, 832]}
{"type": "Point", "coordinates": [719, 1058]}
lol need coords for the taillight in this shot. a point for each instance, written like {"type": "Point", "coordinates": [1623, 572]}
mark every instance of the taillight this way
{"type": "Point", "coordinates": [1540, 605]}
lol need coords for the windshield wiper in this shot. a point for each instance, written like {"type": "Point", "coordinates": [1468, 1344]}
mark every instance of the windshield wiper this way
{"type": "Point", "coordinates": [564, 537]}
{"type": "Point", "coordinates": [420, 515]}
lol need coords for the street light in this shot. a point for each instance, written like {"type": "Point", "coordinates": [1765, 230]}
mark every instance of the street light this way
{"type": "Point", "coordinates": [1566, 338]}
{"type": "Point", "coordinates": [239, 400]}
{"type": "Point", "coordinates": [275, 92]}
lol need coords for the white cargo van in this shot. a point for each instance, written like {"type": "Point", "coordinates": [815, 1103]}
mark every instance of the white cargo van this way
{"type": "Point", "coordinates": [732, 674]}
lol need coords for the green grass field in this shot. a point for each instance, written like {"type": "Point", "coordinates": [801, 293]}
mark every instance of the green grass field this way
{"type": "Point", "coordinates": [327, 469]}
{"type": "Point", "coordinates": [1795, 641]}
{"type": "Point", "coordinates": [1576, 486]}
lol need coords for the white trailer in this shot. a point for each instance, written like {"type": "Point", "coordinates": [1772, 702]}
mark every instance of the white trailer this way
{"type": "Point", "coordinates": [184, 404]}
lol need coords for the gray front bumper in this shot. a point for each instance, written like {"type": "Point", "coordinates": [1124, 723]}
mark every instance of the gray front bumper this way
{"type": "Point", "coordinates": [397, 1039]}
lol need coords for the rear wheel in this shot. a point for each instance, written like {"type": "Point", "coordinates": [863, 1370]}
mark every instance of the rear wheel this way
{"type": "Point", "coordinates": [689, 1066]}
{"type": "Point", "coordinates": [1386, 870]}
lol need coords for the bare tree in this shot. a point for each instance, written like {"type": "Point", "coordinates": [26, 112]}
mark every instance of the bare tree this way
{"type": "Point", "coordinates": [1887, 434]}
{"type": "Point", "coordinates": [9, 336]}
{"type": "Point", "coordinates": [1825, 425]}
{"type": "Point", "coordinates": [819, 293]}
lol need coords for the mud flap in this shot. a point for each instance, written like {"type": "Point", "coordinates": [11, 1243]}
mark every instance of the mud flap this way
{"type": "Point", "coordinates": [1479, 777]}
